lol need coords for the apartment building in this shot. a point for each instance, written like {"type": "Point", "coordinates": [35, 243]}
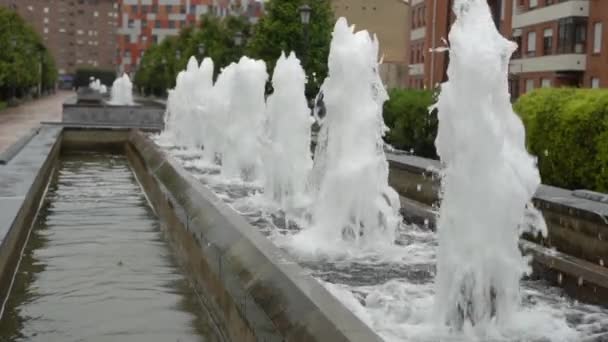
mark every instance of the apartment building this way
{"type": "Point", "coordinates": [389, 20]}
{"type": "Point", "coordinates": [146, 22]}
{"type": "Point", "coordinates": [79, 33]}
{"type": "Point", "coordinates": [561, 42]}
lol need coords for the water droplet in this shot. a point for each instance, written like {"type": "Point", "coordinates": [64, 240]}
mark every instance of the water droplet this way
{"type": "Point", "coordinates": [411, 151]}
{"type": "Point", "coordinates": [601, 262]}
{"type": "Point", "coordinates": [546, 153]}
{"type": "Point", "coordinates": [559, 279]}
{"type": "Point", "coordinates": [426, 223]}
{"type": "Point", "coordinates": [580, 281]}
{"type": "Point", "coordinates": [418, 187]}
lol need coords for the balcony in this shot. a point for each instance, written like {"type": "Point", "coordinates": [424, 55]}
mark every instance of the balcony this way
{"type": "Point", "coordinates": [554, 63]}
{"type": "Point", "coordinates": [571, 8]}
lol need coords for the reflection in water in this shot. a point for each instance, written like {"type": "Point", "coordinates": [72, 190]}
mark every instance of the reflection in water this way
{"type": "Point", "coordinates": [96, 267]}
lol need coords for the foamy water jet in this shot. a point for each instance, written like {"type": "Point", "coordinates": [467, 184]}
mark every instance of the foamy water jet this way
{"type": "Point", "coordinates": [122, 92]}
{"type": "Point", "coordinates": [287, 157]}
{"type": "Point", "coordinates": [488, 179]}
{"type": "Point", "coordinates": [354, 202]}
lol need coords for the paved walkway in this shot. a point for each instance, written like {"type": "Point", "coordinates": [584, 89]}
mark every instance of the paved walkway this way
{"type": "Point", "coordinates": [17, 121]}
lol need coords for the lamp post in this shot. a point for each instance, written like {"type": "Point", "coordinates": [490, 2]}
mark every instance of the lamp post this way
{"type": "Point", "coordinates": [41, 49]}
{"type": "Point", "coordinates": [238, 38]}
{"type": "Point", "coordinates": [305, 11]}
{"type": "Point", "coordinates": [201, 50]}
{"type": "Point", "coordinates": [13, 87]}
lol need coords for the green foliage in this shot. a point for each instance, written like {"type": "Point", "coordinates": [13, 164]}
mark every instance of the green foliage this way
{"type": "Point", "coordinates": [568, 130]}
{"type": "Point", "coordinates": [412, 126]}
{"type": "Point", "coordinates": [25, 62]}
{"type": "Point", "coordinates": [82, 78]}
{"type": "Point", "coordinates": [162, 62]}
{"type": "Point", "coordinates": [3, 105]}
{"type": "Point", "coordinates": [281, 30]}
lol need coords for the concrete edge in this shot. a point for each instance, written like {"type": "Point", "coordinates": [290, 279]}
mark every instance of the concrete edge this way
{"type": "Point", "coordinates": [260, 277]}
{"type": "Point", "coordinates": [547, 197]}
{"type": "Point", "coordinates": [579, 278]}
{"type": "Point", "coordinates": [13, 149]}
{"type": "Point", "coordinates": [16, 237]}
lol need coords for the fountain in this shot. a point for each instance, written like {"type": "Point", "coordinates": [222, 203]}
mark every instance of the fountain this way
{"type": "Point", "coordinates": [122, 92]}
{"type": "Point", "coordinates": [350, 180]}
{"type": "Point", "coordinates": [287, 159]}
{"type": "Point", "coordinates": [95, 84]}
{"type": "Point", "coordinates": [243, 118]}
{"type": "Point", "coordinates": [488, 178]}
{"type": "Point", "coordinates": [405, 282]}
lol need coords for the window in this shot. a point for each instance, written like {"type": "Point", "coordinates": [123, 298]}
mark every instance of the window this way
{"type": "Point", "coordinates": [595, 82]}
{"type": "Point", "coordinates": [531, 51]}
{"type": "Point", "coordinates": [548, 41]}
{"type": "Point", "coordinates": [529, 85]}
{"type": "Point", "coordinates": [533, 3]}
{"type": "Point", "coordinates": [571, 35]}
{"type": "Point", "coordinates": [517, 39]}
{"type": "Point", "coordinates": [597, 37]}
{"type": "Point", "coordinates": [157, 24]}
{"type": "Point", "coordinates": [545, 83]}
{"type": "Point", "coordinates": [171, 24]}
{"type": "Point", "coordinates": [46, 10]}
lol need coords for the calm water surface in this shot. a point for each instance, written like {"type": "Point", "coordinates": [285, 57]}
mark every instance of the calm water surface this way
{"type": "Point", "coordinates": [96, 267]}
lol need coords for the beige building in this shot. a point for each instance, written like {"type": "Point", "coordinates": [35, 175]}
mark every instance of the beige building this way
{"type": "Point", "coordinates": [390, 21]}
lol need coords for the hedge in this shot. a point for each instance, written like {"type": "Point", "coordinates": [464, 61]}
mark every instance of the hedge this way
{"type": "Point", "coordinates": [411, 126]}
{"type": "Point", "coordinates": [568, 130]}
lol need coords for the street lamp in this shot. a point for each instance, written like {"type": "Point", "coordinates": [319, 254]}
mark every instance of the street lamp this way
{"type": "Point", "coordinates": [305, 12]}
{"type": "Point", "coordinates": [238, 38]}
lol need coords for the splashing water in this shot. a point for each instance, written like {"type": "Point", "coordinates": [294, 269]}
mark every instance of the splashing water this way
{"type": "Point", "coordinates": [489, 178]}
{"type": "Point", "coordinates": [354, 201]}
{"type": "Point", "coordinates": [96, 84]}
{"type": "Point", "coordinates": [122, 92]}
{"type": "Point", "coordinates": [287, 159]}
{"type": "Point", "coordinates": [243, 118]}
{"type": "Point", "coordinates": [185, 104]}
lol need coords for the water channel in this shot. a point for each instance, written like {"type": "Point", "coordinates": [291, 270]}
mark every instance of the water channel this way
{"type": "Point", "coordinates": [96, 266]}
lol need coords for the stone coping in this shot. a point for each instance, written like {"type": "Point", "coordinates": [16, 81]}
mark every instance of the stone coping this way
{"type": "Point", "coordinates": [549, 195]}
{"type": "Point", "coordinates": [18, 175]}
{"type": "Point", "coordinates": [580, 278]}
{"type": "Point", "coordinates": [251, 267]}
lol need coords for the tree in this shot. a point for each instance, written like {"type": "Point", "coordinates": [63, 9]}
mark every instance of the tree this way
{"type": "Point", "coordinates": [162, 62]}
{"type": "Point", "coordinates": [25, 62]}
{"type": "Point", "coordinates": [281, 30]}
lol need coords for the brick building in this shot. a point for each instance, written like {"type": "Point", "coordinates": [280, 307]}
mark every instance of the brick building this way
{"type": "Point", "coordinates": [561, 42]}
{"type": "Point", "coordinates": [79, 33]}
{"type": "Point", "coordinates": [389, 21]}
{"type": "Point", "coordinates": [145, 22]}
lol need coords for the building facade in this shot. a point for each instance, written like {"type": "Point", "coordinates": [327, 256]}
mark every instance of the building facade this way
{"type": "Point", "coordinates": [79, 33]}
{"type": "Point", "coordinates": [561, 42]}
{"type": "Point", "coordinates": [389, 21]}
{"type": "Point", "coordinates": [146, 22]}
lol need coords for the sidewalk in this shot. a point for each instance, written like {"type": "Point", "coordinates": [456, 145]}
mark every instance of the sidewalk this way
{"type": "Point", "coordinates": [17, 121]}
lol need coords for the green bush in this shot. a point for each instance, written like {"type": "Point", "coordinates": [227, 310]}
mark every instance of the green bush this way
{"type": "Point", "coordinates": [3, 105]}
{"type": "Point", "coordinates": [412, 126]}
{"type": "Point", "coordinates": [567, 129]}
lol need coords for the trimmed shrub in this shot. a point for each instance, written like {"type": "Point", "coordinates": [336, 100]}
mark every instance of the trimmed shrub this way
{"type": "Point", "coordinates": [412, 126]}
{"type": "Point", "coordinates": [567, 129]}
